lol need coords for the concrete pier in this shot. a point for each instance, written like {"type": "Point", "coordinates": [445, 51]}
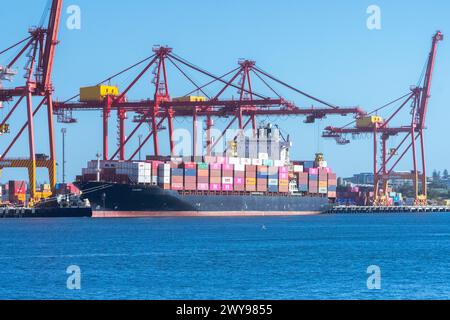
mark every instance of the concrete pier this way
{"type": "Point", "coordinates": [386, 209]}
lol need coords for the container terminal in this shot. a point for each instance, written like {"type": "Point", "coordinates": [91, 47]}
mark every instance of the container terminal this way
{"type": "Point", "coordinates": [253, 176]}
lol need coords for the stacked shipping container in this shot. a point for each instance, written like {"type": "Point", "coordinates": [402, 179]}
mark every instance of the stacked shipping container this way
{"type": "Point", "coordinates": [323, 180]}
{"type": "Point", "coordinates": [283, 179]}
{"type": "Point", "coordinates": [332, 185]}
{"type": "Point", "coordinates": [17, 191]}
{"type": "Point", "coordinates": [215, 177]}
{"type": "Point", "coordinates": [262, 175]}
{"type": "Point", "coordinates": [273, 179]}
{"type": "Point", "coordinates": [190, 176]}
{"type": "Point", "coordinates": [164, 176]}
{"type": "Point", "coordinates": [177, 177]}
{"type": "Point", "coordinates": [239, 177]}
{"type": "Point", "coordinates": [227, 177]}
{"type": "Point", "coordinates": [313, 182]}
{"type": "Point", "coordinates": [203, 176]}
{"type": "Point", "coordinates": [250, 178]}
{"type": "Point", "coordinates": [218, 173]}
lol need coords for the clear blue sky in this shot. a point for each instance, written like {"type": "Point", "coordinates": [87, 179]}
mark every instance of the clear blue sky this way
{"type": "Point", "coordinates": [322, 47]}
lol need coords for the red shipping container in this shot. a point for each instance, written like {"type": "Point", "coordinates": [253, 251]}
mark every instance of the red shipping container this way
{"type": "Point", "coordinates": [190, 186]}
{"type": "Point", "coordinates": [250, 168]}
{"type": "Point", "coordinates": [202, 179]}
{"type": "Point", "coordinates": [261, 187]}
{"type": "Point", "coordinates": [227, 173]}
{"type": "Point", "coordinates": [190, 165]}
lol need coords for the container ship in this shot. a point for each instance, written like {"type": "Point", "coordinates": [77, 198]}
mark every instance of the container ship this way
{"type": "Point", "coordinates": [254, 177]}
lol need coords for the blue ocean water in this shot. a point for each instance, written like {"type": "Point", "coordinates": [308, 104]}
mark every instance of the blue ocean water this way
{"type": "Point", "coordinates": [318, 257]}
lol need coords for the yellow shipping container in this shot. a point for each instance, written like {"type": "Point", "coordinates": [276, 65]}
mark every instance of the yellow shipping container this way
{"type": "Point", "coordinates": [250, 181]}
{"type": "Point", "coordinates": [190, 99]}
{"type": "Point", "coordinates": [97, 93]}
{"type": "Point", "coordinates": [367, 122]}
{"type": "Point", "coordinates": [283, 183]}
{"type": "Point", "coordinates": [323, 184]}
{"type": "Point", "coordinates": [43, 195]}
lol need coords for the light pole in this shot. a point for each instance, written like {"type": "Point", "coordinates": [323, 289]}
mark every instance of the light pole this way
{"type": "Point", "coordinates": [140, 137]}
{"type": "Point", "coordinates": [63, 132]}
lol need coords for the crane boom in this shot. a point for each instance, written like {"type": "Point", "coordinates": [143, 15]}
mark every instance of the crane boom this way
{"type": "Point", "coordinates": [426, 90]}
{"type": "Point", "coordinates": [50, 43]}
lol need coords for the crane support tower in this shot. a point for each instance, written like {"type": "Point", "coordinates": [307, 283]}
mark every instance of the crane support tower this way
{"type": "Point", "coordinates": [412, 132]}
{"type": "Point", "coordinates": [38, 52]}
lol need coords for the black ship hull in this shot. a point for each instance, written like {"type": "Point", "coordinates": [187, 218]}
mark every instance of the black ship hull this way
{"type": "Point", "coordinates": [124, 200]}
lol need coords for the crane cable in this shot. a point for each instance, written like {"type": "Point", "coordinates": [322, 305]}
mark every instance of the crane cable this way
{"type": "Point", "coordinates": [116, 75]}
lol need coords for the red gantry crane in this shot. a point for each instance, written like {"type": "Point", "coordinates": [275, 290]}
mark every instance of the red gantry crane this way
{"type": "Point", "coordinates": [38, 49]}
{"type": "Point", "coordinates": [162, 108]}
{"type": "Point", "coordinates": [413, 132]}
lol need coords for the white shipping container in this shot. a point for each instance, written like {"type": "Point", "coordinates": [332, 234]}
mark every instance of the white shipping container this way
{"type": "Point", "coordinates": [278, 163]}
{"type": "Point", "coordinates": [298, 168]}
{"type": "Point", "coordinates": [239, 167]}
{"type": "Point", "coordinates": [263, 156]}
{"type": "Point", "coordinates": [257, 162]}
{"type": "Point", "coordinates": [323, 164]}
{"type": "Point", "coordinates": [273, 182]}
{"type": "Point", "coordinates": [164, 180]}
{"type": "Point", "coordinates": [233, 161]}
{"type": "Point", "coordinates": [323, 190]}
{"type": "Point", "coordinates": [246, 161]}
{"type": "Point", "coordinates": [227, 180]}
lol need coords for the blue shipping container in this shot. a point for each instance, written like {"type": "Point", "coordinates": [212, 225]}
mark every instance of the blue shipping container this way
{"type": "Point", "coordinates": [190, 172]}
{"type": "Point", "coordinates": [177, 172]}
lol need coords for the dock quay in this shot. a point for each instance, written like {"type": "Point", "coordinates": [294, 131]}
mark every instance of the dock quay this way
{"type": "Point", "coordinates": [387, 209]}
{"type": "Point", "coordinates": [51, 212]}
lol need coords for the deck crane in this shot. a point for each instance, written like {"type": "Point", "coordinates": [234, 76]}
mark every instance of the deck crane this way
{"type": "Point", "coordinates": [161, 107]}
{"type": "Point", "coordinates": [413, 131]}
{"type": "Point", "coordinates": [38, 51]}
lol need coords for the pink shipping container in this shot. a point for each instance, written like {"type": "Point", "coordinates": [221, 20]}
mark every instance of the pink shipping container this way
{"type": "Point", "coordinates": [239, 181]}
{"type": "Point", "coordinates": [203, 186]}
{"type": "Point", "coordinates": [227, 167]}
{"type": "Point", "coordinates": [215, 187]}
{"type": "Point", "coordinates": [215, 166]}
{"type": "Point", "coordinates": [284, 170]}
{"type": "Point", "coordinates": [313, 171]}
{"type": "Point", "coordinates": [283, 176]}
{"type": "Point", "coordinates": [227, 187]}
{"type": "Point", "coordinates": [177, 186]}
